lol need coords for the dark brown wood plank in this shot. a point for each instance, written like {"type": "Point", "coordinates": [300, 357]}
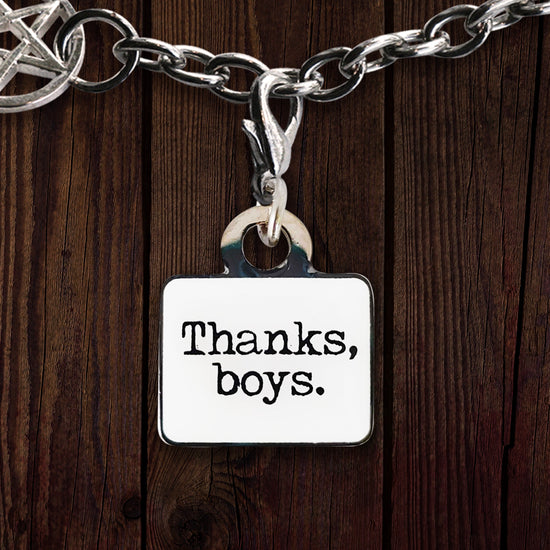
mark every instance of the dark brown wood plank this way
{"type": "Point", "coordinates": [71, 276]}
{"type": "Point", "coordinates": [265, 498]}
{"type": "Point", "coordinates": [528, 474]}
{"type": "Point", "coordinates": [462, 143]}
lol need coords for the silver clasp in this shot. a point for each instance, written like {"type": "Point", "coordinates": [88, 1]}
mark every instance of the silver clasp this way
{"type": "Point", "coordinates": [271, 148]}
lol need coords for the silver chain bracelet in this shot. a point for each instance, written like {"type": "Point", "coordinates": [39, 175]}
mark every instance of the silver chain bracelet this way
{"type": "Point", "coordinates": [63, 64]}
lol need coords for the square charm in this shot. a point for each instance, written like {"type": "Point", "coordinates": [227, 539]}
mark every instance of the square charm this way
{"type": "Point", "coordinates": [274, 359]}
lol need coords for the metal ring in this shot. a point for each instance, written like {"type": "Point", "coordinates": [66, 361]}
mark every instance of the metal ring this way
{"type": "Point", "coordinates": [199, 80]}
{"type": "Point", "coordinates": [436, 23]}
{"type": "Point", "coordinates": [317, 61]}
{"type": "Point", "coordinates": [162, 49]}
{"type": "Point", "coordinates": [360, 53]}
{"type": "Point", "coordinates": [238, 61]}
{"type": "Point", "coordinates": [63, 40]}
{"type": "Point", "coordinates": [497, 12]}
{"type": "Point", "coordinates": [270, 231]}
{"type": "Point", "coordinates": [530, 9]}
{"type": "Point", "coordinates": [416, 45]}
{"type": "Point", "coordinates": [238, 227]}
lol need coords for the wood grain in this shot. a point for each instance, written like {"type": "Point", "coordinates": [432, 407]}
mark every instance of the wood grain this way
{"type": "Point", "coordinates": [432, 179]}
{"type": "Point", "coordinates": [528, 473]}
{"type": "Point", "coordinates": [265, 498]}
{"type": "Point", "coordinates": [71, 265]}
{"type": "Point", "coordinates": [463, 143]}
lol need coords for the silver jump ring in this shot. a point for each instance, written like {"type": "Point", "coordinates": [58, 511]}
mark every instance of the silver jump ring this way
{"type": "Point", "coordinates": [496, 12]}
{"type": "Point", "coordinates": [238, 61]}
{"type": "Point", "coordinates": [317, 61]}
{"type": "Point", "coordinates": [479, 36]}
{"type": "Point", "coordinates": [63, 40]}
{"type": "Point", "coordinates": [359, 54]}
{"type": "Point", "coordinates": [416, 45]}
{"type": "Point", "coordinates": [199, 80]}
{"type": "Point", "coordinates": [531, 9]}
{"type": "Point", "coordinates": [161, 49]}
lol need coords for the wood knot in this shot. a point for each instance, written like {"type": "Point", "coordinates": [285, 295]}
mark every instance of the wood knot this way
{"type": "Point", "coordinates": [132, 508]}
{"type": "Point", "coordinates": [194, 528]}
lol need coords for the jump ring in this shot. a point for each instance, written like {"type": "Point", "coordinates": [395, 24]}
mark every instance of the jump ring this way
{"type": "Point", "coordinates": [63, 40]}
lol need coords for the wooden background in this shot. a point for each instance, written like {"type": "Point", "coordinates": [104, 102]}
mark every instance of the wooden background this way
{"type": "Point", "coordinates": [432, 179]}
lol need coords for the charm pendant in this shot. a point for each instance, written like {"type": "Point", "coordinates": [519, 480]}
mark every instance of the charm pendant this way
{"type": "Point", "coordinates": [266, 357]}
{"type": "Point", "coordinates": [34, 56]}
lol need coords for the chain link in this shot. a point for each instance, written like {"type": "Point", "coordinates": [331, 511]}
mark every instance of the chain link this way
{"type": "Point", "coordinates": [479, 34]}
{"type": "Point", "coordinates": [359, 54]}
{"type": "Point", "coordinates": [314, 63]}
{"type": "Point", "coordinates": [497, 12]}
{"type": "Point", "coordinates": [237, 61]}
{"type": "Point", "coordinates": [417, 44]}
{"type": "Point", "coordinates": [531, 9]}
{"type": "Point", "coordinates": [127, 46]}
{"type": "Point", "coordinates": [353, 63]}
{"type": "Point", "coordinates": [197, 79]}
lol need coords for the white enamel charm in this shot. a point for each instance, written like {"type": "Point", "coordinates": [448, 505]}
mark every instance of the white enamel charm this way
{"type": "Point", "coordinates": [278, 357]}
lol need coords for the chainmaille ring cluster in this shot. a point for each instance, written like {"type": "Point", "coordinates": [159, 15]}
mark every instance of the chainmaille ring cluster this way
{"type": "Point", "coordinates": [63, 64]}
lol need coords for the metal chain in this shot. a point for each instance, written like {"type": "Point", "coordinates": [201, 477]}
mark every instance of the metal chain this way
{"type": "Point", "coordinates": [353, 63]}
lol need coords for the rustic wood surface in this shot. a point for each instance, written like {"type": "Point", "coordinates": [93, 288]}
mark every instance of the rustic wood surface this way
{"type": "Point", "coordinates": [71, 277]}
{"type": "Point", "coordinates": [432, 179]}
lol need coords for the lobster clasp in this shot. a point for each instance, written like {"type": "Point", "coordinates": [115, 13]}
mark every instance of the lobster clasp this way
{"type": "Point", "coordinates": [271, 148]}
